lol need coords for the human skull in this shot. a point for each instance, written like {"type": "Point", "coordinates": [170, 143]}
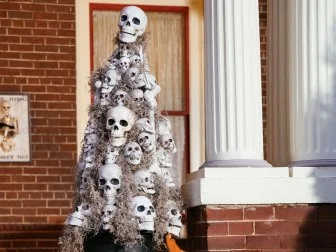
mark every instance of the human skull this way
{"type": "Point", "coordinates": [134, 78]}
{"type": "Point", "coordinates": [136, 60]}
{"type": "Point", "coordinates": [89, 158]}
{"type": "Point", "coordinates": [109, 181]}
{"type": "Point", "coordinates": [120, 97]}
{"type": "Point", "coordinates": [144, 124]}
{"type": "Point", "coordinates": [143, 211]}
{"type": "Point", "coordinates": [124, 50]}
{"type": "Point", "coordinates": [124, 63]}
{"type": "Point", "coordinates": [137, 97]}
{"type": "Point", "coordinates": [90, 141]}
{"type": "Point", "coordinates": [111, 155]}
{"type": "Point", "coordinates": [114, 63]}
{"type": "Point", "coordinates": [119, 121]}
{"type": "Point", "coordinates": [144, 181]}
{"type": "Point", "coordinates": [110, 80]}
{"type": "Point", "coordinates": [5, 107]}
{"type": "Point", "coordinates": [132, 23]}
{"type": "Point", "coordinates": [146, 141]}
{"type": "Point", "coordinates": [78, 218]}
{"type": "Point", "coordinates": [163, 158]}
{"type": "Point", "coordinates": [168, 143]}
{"type": "Point", "coordinates": [167, 177]}
{"type": "Point", "coordinates": [133, 153]}
{"type": "Point", "coordinates": [174, 218]}
{"type": "Point", "coordinates": [105, 99]}
{"type": "Point", "coordinates": [106, 215]}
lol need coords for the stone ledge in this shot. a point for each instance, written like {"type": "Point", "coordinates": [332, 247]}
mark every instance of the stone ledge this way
{"type": "Point", "coordinates": [212, 186]}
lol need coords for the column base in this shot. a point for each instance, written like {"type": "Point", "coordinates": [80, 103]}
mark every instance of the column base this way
{"type": "Point", "coordinates": [236, 163]}
{"type": "Point", "coordinates": [314, 163]}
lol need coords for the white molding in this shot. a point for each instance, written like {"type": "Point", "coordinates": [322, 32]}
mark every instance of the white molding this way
{"type": "Point", "coordinates": [203, 188]}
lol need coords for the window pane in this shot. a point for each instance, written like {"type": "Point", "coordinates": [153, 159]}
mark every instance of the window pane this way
{"type": "Point", "coordinates": [180, 159]}
{"type": "Point", "coordinates": [165, 51]}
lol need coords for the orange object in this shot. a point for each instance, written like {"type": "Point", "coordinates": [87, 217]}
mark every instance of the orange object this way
{"type": "Point", "coordinates": [171, 244]}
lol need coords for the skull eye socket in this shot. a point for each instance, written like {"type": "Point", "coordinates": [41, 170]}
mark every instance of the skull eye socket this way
{"type": "Point", "coordinates": [141, 140]}
{"type": "Point", "coordinates": [115, 181]}
{"type": "Point", "coordinates": [152, 209]}
{"type": "Point", "coordinates": [123, 18]}
{"type": "Point", "coordinates": [141, 99]}
{"type": "Point", "coordinates": [146, 179]}
{"type": "Point", "coordinates": [132, 74]}
{"type": "Point", "coordinates": [102, 213]}
{"type": "Point", "coordinates": [129, 149]}
{"type": "Point", "coordinates": [102, 181]}
{"type": "Point", "coordinates": [146, 137]}
{"type": "Point", "coordinates": [135, 99]}
{"type": "Point", "coordinates": [110, 121]}
{"type": "Point", "coordinates": [108, 79]}
{"type": "Point", "coordinates": [173, 211]}
{"type": "Point", "coordinates": [137, 148]}
{"type": "Point", "coordinates": [121, 96]}
{"type": "Point", "coordinates": [141, 208]}
{"type": "Point", "coordinates": [109, 212]}
{"type": "Point", "coordinates": [123, 123]}
{"type": "Point", "coordinates": [170, 140]}
{"type": "Point", "coordinates": [85, 207]}
{"type": "Point", "coordinates": [136, 21]}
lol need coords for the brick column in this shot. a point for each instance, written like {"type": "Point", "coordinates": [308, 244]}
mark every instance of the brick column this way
{"type": "Point", "coordinates": [233, 84]}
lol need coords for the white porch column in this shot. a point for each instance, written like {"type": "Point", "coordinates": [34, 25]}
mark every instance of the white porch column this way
{"type": "Point", "coordinates": [312, 82]}
{"type": "Point", "coordinates": [233, 84]}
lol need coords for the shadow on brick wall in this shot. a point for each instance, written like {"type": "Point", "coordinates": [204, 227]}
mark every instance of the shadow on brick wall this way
{"type": "Point", "coordinates": [26, 237]}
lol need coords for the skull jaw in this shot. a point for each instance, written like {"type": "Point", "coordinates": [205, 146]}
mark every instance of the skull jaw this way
{"type": "Point", "coordinates": [146, 225]}
{"type": "Point", "coordinates": [118, 141]}
{"type": "Point", "coordinates": [174, 229]}
{"type": "Point", "coordinates": [134, 160]}
{"type": "Point", "coordinates": [76, 219]}
{"type": "Point", "coordinates": [106, 226]}
{"type": "Point", "coordinates": [127, 36]}
{"type": "Point", "coordinates": [147, 190]}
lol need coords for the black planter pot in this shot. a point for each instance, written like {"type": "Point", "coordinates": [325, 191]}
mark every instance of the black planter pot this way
{"type": "Point", "coordinates": [104, 242]}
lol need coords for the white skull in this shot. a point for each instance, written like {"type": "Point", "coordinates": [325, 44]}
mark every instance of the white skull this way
{"type": "Point", "coordinates": [174, 218]}
{"type": "Point", "coordinates": [134, 78]}
{"type": "Point", "coordinates": [137, 97]}
{"type": "Point", "coordinates": [78, 218]}
{"type": "Point", "coordinates": [163, 158]}
{"type": "Point", "coordinates": [124, 63]}
{"type": "Point", "coordinates": [110, 80]}
{"type": "Point", "coordinates": [109, 181]}
{"type": "Point", "coordinates": [132, 24]}
{"type": "Point", "coordinates": [167, 177]}
{"type": "Point", "coordinates": [111, 155]}
{"type": "Point", "coordinates": [105, 99]}
{"type": "Point", "coordinates": [144, 181]}
{"type": "Point", "coordinates": [124, 50]}
{"type": "Point", "coordinates": [5, 107]}
{"type": "Point", "coordinates": [150, 80]}
{"type": "Point", "coordinates": [106, 216]}
{"type": "Point", "coordinates": [144, 124]}
{"type": "Point", "coordinates": [120, 120]}
{"type": "Point", "coordinates": [120, 96]}
{"type": "Point", "coordinates": [136, 60]}
{"type": "Point", "coordinates": [143, 211]}
{"type": "Point", "coordinates": [90, 141]}
{"type": "Point", "coordinates": [168, 143]}
{"type": "Point", "coordinates": [133, 153]}
{"type": "Point", "coordinates": [146, 141]}
{"type": "Point", "coordinates": [114, 63]}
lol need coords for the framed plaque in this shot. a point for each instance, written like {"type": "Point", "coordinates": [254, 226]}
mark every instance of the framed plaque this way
{"type": "Point", "coordinates": [14, 128]}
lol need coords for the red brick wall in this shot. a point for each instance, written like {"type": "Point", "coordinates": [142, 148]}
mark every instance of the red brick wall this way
{"type": "Point", "coordinates": [37, 56]}
{"type": "Point", "coordinates": [262, 228]}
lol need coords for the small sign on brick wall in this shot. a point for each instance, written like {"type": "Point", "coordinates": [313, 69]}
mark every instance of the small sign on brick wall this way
{"type": "Point", "coordinates": [14, 128]}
